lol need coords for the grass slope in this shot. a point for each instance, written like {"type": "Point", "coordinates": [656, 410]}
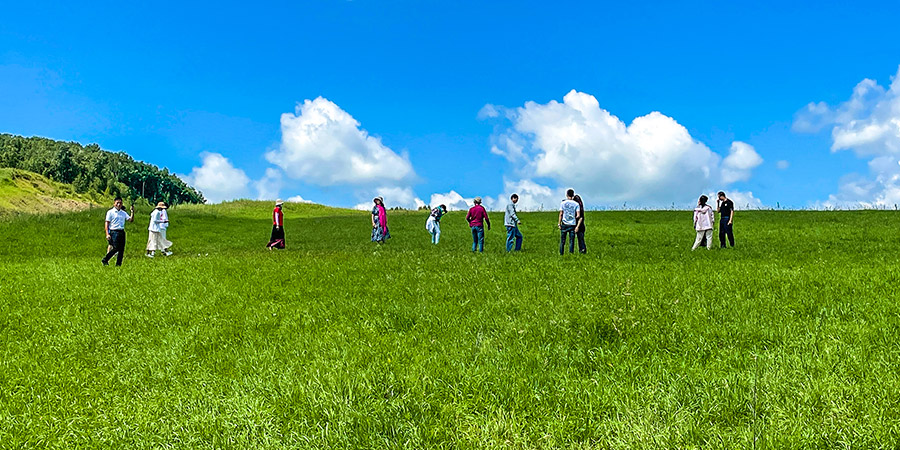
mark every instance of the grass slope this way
{"type": "Point", "coordinates": [788, 341]}
{"type": "Point", "coordinates": [27, 192]}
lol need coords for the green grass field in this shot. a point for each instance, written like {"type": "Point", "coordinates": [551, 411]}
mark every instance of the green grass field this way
{"type": "Point", "coordinates": [788, 341]}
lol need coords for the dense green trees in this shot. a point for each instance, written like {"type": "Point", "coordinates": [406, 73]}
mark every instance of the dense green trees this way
{"type": "Point", "coordinates": [92, 169]}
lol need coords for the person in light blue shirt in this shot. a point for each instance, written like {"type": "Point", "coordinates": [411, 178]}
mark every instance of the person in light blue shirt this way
{"type": "Point", "coordinates": [511, 220]}
{"type": "Point", "coordinates": [433, 224]}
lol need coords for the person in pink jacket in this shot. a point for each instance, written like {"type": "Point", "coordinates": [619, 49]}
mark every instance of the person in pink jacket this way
{"type": "Point", "coordinates": [703, 223]}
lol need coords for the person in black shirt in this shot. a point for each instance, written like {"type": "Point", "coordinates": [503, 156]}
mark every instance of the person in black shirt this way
{"type": "Point", "coordinates": [726, 218]}
{"type": "Point", "coordinates": [579, 227]}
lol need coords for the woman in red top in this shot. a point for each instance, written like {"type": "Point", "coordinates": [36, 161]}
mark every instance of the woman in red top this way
{"type": "Point", "coordinates": [277, 238]}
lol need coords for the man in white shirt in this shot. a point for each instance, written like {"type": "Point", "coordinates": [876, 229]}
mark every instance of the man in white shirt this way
{"type": "Point", "coordinates": [569, 213]}
{"type": "Point", "coordinates": [115, 231]}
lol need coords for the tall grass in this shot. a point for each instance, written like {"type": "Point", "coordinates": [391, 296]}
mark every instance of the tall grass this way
{"type": "Point", "coordinates": [787, 341]}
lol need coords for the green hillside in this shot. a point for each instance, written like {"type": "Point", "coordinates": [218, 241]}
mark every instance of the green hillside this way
{"type": "Point", "coordinates": [27, 192]}
{"type": "Point", "coordinates": [90, 169]}
{"type": "Point", "coordinates": [787, 341]}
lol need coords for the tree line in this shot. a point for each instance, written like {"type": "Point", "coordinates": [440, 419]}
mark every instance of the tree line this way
{"type": "Point", "coordinates": [92, 169]}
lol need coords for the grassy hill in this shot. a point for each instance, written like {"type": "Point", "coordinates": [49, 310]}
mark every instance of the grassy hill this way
{"type": "Point", "coordinates": [788, 341]}
{"type": "Point", "coordinates": [26, 192]}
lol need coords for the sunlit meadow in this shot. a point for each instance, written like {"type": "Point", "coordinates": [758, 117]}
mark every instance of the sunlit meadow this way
{"type": "Point", "coordinates": [787, 341]}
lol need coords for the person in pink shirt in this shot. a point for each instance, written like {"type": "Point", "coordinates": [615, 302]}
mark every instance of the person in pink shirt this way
{"type": "Point", "coordinates": [477, 218]}
{"type": "Point", "coordinates": [703, 223]}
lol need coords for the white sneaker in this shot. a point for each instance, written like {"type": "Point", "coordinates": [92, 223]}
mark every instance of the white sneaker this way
{"type": "Point", "coordinates": [168, 253]}
{"type": "Point", "coordinates": [148, 255]}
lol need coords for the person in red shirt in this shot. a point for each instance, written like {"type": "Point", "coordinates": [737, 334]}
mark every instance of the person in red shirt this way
{"type": "Point", "coordinates": [477, 218]}
{"type": "Point", "coordinates": [277, 238]}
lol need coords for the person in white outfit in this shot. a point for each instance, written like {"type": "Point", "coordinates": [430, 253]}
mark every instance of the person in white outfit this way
{"type": "Point", "coordinates": [164, 225]}
{"type": "Point", "coordinates": [156, 240]}
{"type": "Point", "coordinates": [433, 224]}
{"type": "Point", "coordinates": [703, 223]}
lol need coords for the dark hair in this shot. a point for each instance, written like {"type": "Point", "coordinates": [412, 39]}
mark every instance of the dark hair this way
{"type": "Point", "coordinates": [514, 196]}
{"type": "Point", "coordinates": [444, 207]}
{"type": "Point", "coordinates": [117, 199]}
{"type": "Point", "coordinates": [720, 194]}
{"type": "Point", "coordinates": [577, 199]}
{"type": "Point", "coordinates": [570, 193]}
{"type": "Point", "coordinates": [703, 200]}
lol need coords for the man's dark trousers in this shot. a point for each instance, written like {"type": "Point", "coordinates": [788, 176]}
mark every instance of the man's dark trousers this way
{"type": "Point", "coordinates": [117, 240]}
{"type": "Point", "coordinates": [726, 230]}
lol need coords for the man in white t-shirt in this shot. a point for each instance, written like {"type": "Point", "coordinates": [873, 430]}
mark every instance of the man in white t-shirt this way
{"type": "Point", "coordinates": [115, 231]}
{"type": "Point", "coordinates": [569, 213]}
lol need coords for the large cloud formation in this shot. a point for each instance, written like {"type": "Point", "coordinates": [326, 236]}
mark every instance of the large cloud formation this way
{"type": "Point", "coordinates": [321, 145]}
{"type": "Point", "coordinates": [868, 124]}
{"type": "Point", "coordinates": [654, 161]}
{"type": "Point", "coordinates": [324, 145]}
{"type": "Point", "coordinates": [218, 179]}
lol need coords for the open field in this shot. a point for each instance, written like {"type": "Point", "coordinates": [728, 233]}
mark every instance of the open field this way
{"type": "Point", "coordinates": [788, 341]}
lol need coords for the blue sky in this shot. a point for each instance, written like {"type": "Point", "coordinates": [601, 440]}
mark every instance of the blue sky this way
{"type": "Point", "coordinates": [172, 84]}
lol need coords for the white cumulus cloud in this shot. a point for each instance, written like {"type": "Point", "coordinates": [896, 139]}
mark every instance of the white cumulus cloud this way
{"type": "Point", "coordinates": [403, 197]}
{"type": "Point", "coordinates": [452, 199]}
{"type": "Point", "coordinates": [742, 200]}
{"type": "Point", "coordinates": [268, 187]}
{"type": "Point", "coordinates": [218, 179]}
{"type": "Point", "coordinates": [298, 199]}
{"type": "Point", "coordinates": [868, 124]}
{"type": "Point", "coordinates": [532, 196]}
{"type": "Point", "coordinates": [740, 162]}
{"type": "Point", "coordinates": [324, 145]}
{"type": "Point", "coordinates": [652, 161]}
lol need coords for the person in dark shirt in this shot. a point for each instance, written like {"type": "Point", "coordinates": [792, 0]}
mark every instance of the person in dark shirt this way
{"type": "Point", "coordinates": [726, 218]}
{"type": "Point", "coordinates": [579, 228]}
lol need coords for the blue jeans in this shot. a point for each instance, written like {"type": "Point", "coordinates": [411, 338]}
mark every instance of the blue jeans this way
{"type": "Point", "coordinates": [513, 235]}
{"type": "Point", "coordinates": [567, 230]}
{"type": "Point", "coordinates": [436, 234]}
{"type": "Point", "coordinates": [478, 238]}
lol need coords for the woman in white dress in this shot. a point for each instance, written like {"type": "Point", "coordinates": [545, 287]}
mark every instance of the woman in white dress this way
{"type": "Point", "coordinates": [163, 226]}
{"type": "Point", "coordinates": [159, 221]}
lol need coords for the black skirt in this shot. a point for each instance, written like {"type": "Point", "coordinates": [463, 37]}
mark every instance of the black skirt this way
{"type": "Point", "coordinates": [277, 238]}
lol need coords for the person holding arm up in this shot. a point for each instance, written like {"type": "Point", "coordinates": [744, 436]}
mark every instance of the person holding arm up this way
{"type": "Point", "coordinates": [726, 219]}
{"type": "Point", "coordinates": [115, 231]}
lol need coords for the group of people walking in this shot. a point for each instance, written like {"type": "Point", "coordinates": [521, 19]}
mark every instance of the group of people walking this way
{"type": "Point", "coordinates": [571, 225]}
{"type": "Point", "coordinates": [114, 225]}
